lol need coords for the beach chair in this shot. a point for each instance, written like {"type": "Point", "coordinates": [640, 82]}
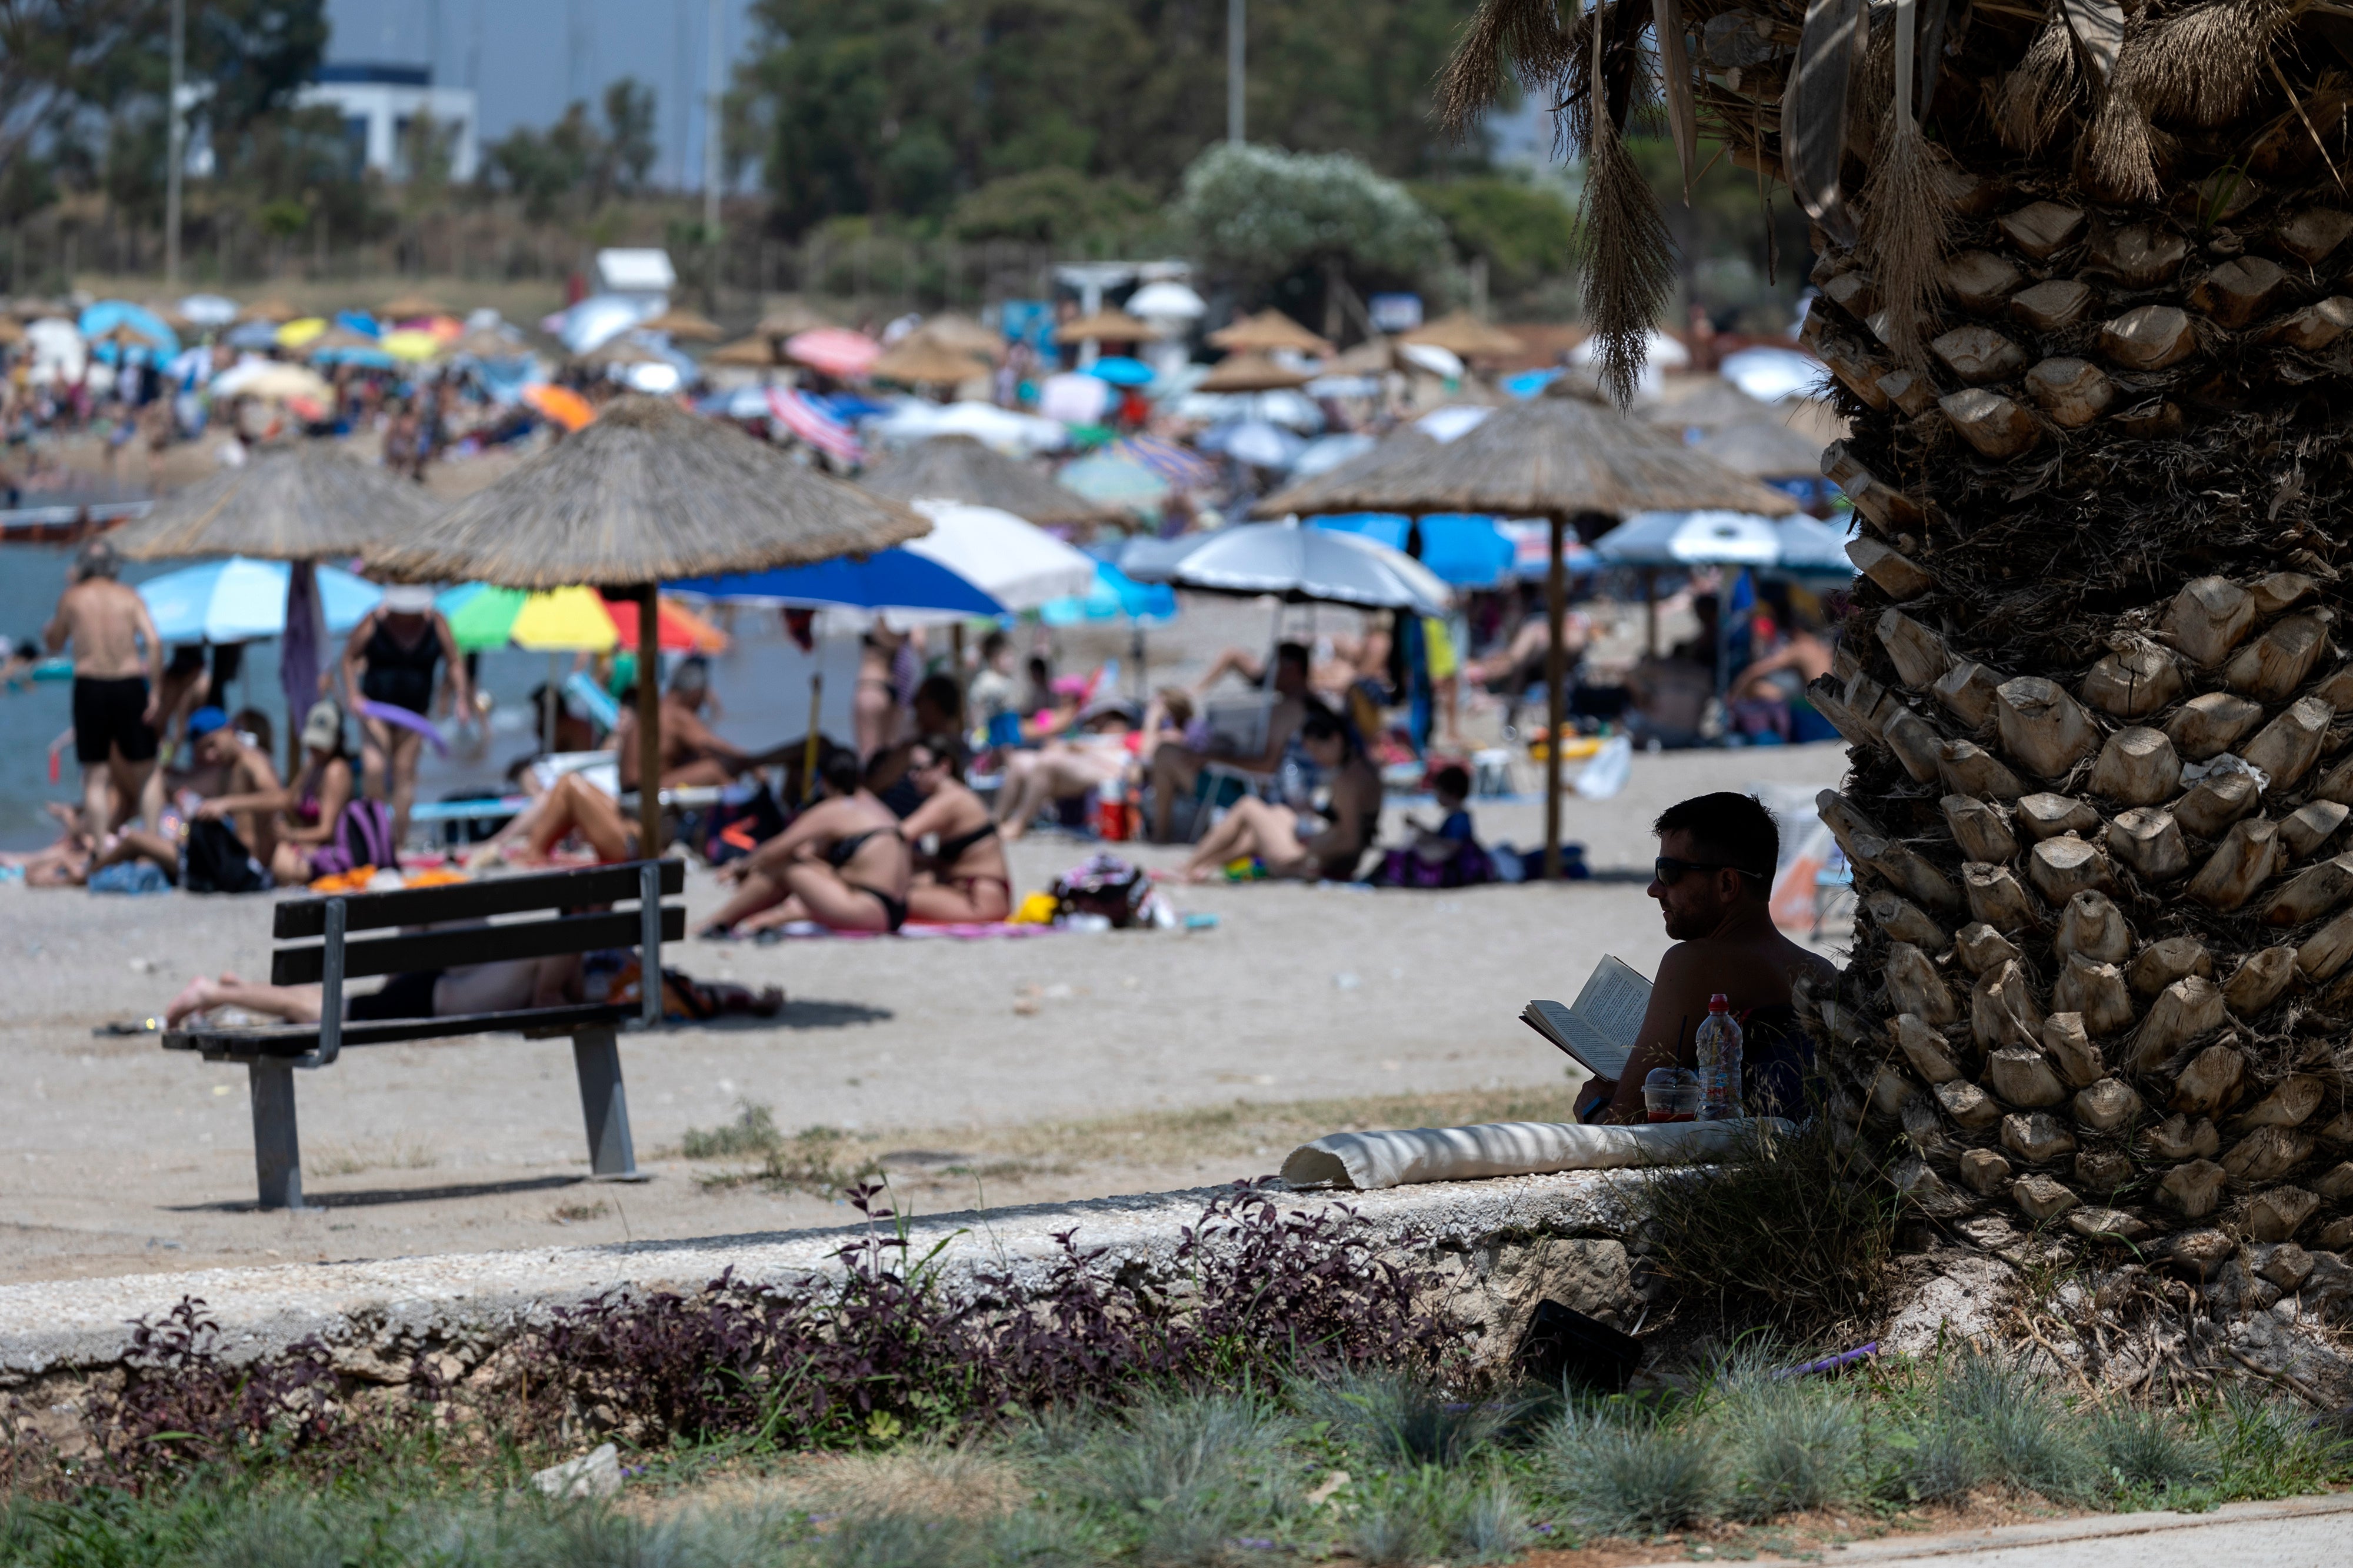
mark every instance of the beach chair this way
{"type": "Point", "coordinates": [313, 934]}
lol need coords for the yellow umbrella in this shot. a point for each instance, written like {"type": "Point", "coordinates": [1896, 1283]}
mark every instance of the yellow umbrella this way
{"type": "Point", "coordinates": [295, 333]}
{"type": "Point", "coordinates": [410, 345]}
{"type": "Point", "coordinates": [563, 620]}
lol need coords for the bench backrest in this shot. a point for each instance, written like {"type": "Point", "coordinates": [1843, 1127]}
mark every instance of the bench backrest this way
{"type": "Point", "coordinates": [334, 959]}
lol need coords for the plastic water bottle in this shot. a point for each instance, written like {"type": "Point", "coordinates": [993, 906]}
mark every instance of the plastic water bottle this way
{"type": "Point", "coordinates": [1719, 1045]}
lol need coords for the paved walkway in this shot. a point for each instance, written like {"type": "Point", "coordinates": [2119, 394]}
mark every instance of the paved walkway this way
{"type": "Point", "coordinates": [2299, 1532]}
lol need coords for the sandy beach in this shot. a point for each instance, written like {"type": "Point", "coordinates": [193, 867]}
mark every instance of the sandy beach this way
{"type": "Point", "coordinates": [1058, 1067]}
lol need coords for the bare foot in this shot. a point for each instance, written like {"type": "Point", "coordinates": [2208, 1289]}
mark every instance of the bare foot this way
{"type": "Point", "coordinates": [193, 997]}
{"type": "Point", "coordinates": [1198, 874]}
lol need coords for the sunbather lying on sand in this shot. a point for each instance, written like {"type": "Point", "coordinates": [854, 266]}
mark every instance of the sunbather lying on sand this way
{"type": "Point", "coordinates": [841, 864]}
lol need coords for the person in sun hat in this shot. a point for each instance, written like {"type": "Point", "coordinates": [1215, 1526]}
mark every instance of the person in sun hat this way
{"type": "Point", "coordinates": [390, 667]}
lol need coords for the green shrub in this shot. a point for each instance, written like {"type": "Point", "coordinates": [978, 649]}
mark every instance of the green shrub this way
{"type": "Point", "coordinates": [1403, 1419]}
{"type": "Point", "coordinates": [1638, 1476]}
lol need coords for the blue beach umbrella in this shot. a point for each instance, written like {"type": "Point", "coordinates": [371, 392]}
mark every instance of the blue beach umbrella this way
{"type": "Point", "coordinates": [886, 579]}
{"type": "Point", "coordinates": [1119, 370]}
{"type": "Point", "coordinates": [98, 319]}
{"type": "Point", "coordinates": [1115, 596]}
{"type": "Point", "coordinates": [239, 599]}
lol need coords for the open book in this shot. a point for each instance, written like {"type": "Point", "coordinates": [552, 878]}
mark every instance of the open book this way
{"type": "Point", "coordinates": [1600, 1030]}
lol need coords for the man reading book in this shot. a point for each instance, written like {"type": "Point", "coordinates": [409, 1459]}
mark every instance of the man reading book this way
{"type": "Point", "coordinates": [1713, 881]}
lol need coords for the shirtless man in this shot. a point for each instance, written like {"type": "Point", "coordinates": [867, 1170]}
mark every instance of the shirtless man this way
{"type": "Point", "coordinates": [691, 752]}
{"type": "Point", "coordinates": [118, 675]}
{"type": "Point", "coordinates": [1175, 768]}
{"type": "Point", "coordinates": [1714, 884]}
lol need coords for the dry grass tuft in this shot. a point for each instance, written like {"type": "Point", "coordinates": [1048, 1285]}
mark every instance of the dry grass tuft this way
{"type": "Point", "coordinates": [353, 1158]}
{"type": "Point", "coordinates": [1628, 260]}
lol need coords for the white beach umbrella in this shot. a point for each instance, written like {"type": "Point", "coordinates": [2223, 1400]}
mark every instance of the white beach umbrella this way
{"type": "Point", "coordinates": [1017, 563]}
{"type": "Point", "coordinates": [1301, 565]}
{"type": "Point", "coordinates": [1691, 539]}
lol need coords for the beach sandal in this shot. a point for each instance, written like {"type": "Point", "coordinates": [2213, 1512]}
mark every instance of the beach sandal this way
{"type": "Point", "coordinates": [120, 1027]}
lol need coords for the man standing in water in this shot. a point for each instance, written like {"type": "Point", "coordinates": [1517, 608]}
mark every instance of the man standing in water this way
{"type": "Point", "coordinates": [118, 674]}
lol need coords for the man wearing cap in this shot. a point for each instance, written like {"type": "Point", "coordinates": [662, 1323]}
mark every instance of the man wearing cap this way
{"type": "Point", "coordinates": [118, 671]}
{"type": "Point", "coordinates": [389, 668]}
{"type": "Point", "coordinates": [251, 791]}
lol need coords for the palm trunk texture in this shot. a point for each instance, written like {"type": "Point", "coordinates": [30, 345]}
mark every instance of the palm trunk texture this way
{"type": "Point", "coordinates": [2089, 317]}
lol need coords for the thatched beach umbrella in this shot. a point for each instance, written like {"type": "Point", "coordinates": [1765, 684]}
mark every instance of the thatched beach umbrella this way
{"type": "Point", "coordinates": [1561, 458]}
{"type": "Point", "coordinates": [1268, 329]}
{"type": "Point", "coordinates": [1252, 373]}
{"type": "Point", "coordinates": [790, 319]}
{"type": "Point", "coordinates": [754, 352]}
{"type": "Point", "coordinates": [308, 502]}
{"type": "Point", "coordinates": [915, 360]}
{"type": "Point", "coordinates": [305, 504]}
{"type": "Point", "coordinates": [1107, 326]}
{"type": "Point", "coordinates": [409, 307]}
{"type": "Point", "coordinates": [681, 322]}
{"type": "Point", "coordinates": [274, 311]}
{"type": "Point", "coordinates": [951, 330]}
{"type": "Point", "coordinates": [1463, 333]}
{"type": "Point", "coordinates": [646, 494]}
{"type": "Point", "coordinates": [959, 468]}
{"type": "Point", "coordinates": [1309, 496]}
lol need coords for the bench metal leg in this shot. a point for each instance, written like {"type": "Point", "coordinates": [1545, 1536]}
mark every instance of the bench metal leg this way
{"type": "Point", "coordinates": [596, 1056]}
{"type": "Point", "coordinates": [276, 1150]}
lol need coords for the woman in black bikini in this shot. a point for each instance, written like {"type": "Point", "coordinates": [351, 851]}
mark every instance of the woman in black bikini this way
{"type": "Point", "coordinates": [391, 659]}
{"type": "Point", "coordinates": [841, 864]}
{"type": "Point", "coordinates": [964, 880]}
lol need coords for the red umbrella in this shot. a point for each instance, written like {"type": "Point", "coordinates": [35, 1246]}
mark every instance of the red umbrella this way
{"type": "Point", "coordinates": [680, 631]}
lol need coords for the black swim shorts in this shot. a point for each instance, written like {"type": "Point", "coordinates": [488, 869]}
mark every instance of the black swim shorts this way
{"type": "Point", "coordinates": [110, 714]}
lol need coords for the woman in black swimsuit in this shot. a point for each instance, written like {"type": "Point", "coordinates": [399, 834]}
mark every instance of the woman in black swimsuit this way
{"type": "Point", "coordinates": [391, 660]}
{"type": "Point", "coordinates": [964, 880]}
{"type": "Point", "coordinates": [841, 864]}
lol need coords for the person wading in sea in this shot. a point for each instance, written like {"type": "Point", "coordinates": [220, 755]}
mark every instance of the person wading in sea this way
{"type": "Point", "coordinates": [118, 673]}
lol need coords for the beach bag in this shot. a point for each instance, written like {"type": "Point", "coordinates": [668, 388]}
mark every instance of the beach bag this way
{"type": "Point", "coordinates": [362, 836]}
{"type": "Point", "coordinates": [1103, 885]}
{"type": "Point", "coordinates": [740, 821]}
{"type": "Point", "coordinates": [1467, 867]}
{"type": "Point", "coordinates": [216, 860]}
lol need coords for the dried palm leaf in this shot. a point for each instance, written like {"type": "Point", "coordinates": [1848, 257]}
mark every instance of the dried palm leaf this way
{"type": "Point", "coordinates": [1814, 111]}
{"type": "Point", "coordinates": [1905, 220]}
{"type": "Point", "coordinates": [2037, 95]}
{"type": "Point", "coordinates": [2122, 150]}
{"type": "Point", "coordinates": [1525, 34]}
{"type": "Point", "coordinates": [2204, 65]}
{"type": "Point", "coordinates": [1628, 261]}
{"type": "Point", "coordinates": [1674, 75]}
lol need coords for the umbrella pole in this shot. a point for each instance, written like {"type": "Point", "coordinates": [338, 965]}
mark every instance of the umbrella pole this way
{"type": "Point", "coordinates": [650, 844]}
{"type": "Point", "coordinates": [547, 715]}
{"type": "Point", "coordinates": [1555, 699]}
{"type": "Point", "coordinates": [808, 747]}
{"type": "Point", "coordinates": [1650, 610]}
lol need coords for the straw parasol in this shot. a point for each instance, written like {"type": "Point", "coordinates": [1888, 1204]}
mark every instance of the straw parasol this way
{"type": "Point", "coordinates": [1463, 333]}
{"type": "Point", "coordinates": [757, 352]}
{"type": "Point", "coordinates": [950, 330]}
{"type": "Point", "coordinates": [788, 320]}
{"type": "Point", "coordinates": [1252, 373]}
{"type": "Point", "coordinates": [681, 322]}
{"type": "Point", "coordinates": [959, 468]}
{"type": "Point", "coordinates": [338, 339]}
{"type": "Point", "coordinates": [915, 360]}
{"type": "Point", "coordinates": [1106, 326]}
{"type": "Point", "coordinates": [1560, 456]}
{"type": "Point", "coordinates": [1764, 449]}
{"type": "Point", "coordinates": [646, 494]}
{"type": "Point", "coordinates": [313, 501]}
{"type": "Point", "coordinates": [124, 335]}
{"type": "Point", "coordinates": [10, 332]}
{"type": "Point", "coordinates": [619, 351]}
{"type": "Point", "coordinates": [1269, 330]}
{"type": "Point", "coordinates": [274, 311]}
{"type": "Point", "coordinates": [1311, 496]}
{"type": "Point", "coordinates": [484, 343]}
{"type": "Point", "coordinates": [408, 307]}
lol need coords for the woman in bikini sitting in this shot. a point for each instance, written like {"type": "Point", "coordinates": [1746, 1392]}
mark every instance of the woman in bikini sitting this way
{"type": "Point", "coordinates": [964, 878]}
{"type": "Point", "coordinates": [1287, 842]}
{"type": "Point", "coordinates": [841, 864]}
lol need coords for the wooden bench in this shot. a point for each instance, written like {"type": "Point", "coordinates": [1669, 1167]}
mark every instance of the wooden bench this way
{"type": "Point", "coordinates": [271, 1055]}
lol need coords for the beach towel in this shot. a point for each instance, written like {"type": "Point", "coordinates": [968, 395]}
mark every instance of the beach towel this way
{"type": "Point", "coordinates": [1370, 1160]}
{"type": "Point", "coordinates": [963, 930]}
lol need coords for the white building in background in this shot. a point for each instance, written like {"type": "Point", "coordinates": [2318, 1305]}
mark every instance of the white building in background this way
{"type": "Point", "coordinates": [378, 104]}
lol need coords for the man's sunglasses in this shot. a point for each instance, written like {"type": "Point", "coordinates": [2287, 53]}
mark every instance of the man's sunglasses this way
{"type": "Point", "coordinates": [1668, 870]}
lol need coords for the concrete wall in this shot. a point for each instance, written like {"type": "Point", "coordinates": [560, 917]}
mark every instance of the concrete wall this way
{"type": "Point", "coordinates": [1499, 1246]}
